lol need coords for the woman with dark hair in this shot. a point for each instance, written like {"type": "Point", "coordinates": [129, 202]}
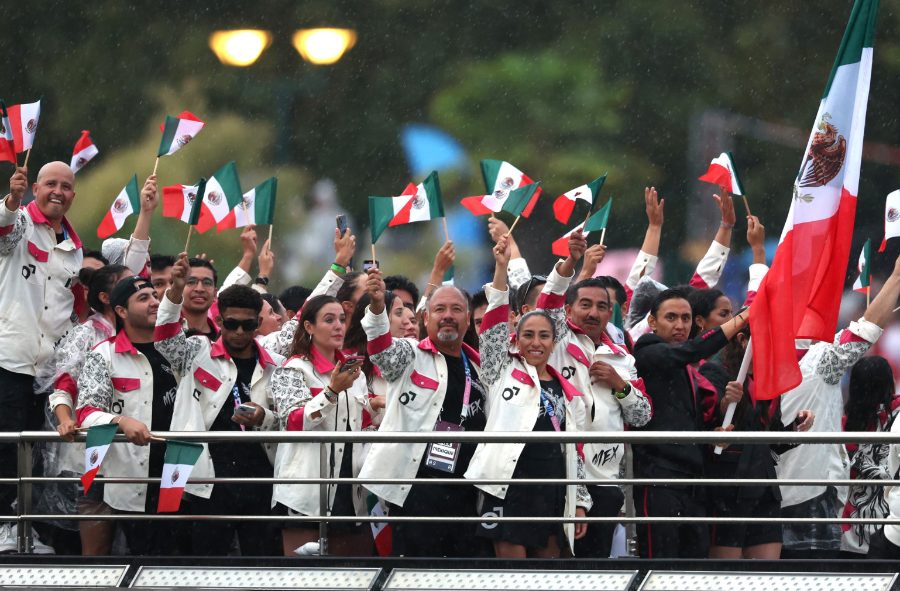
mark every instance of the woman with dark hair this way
{"type": "Point", "coordinates": [67, 363]}
{"type": "Point", "coordinates": [711, 308]}
{"type": "Point", "coordinates": [321, 389]}
{"type": "Point", "coordinates": [871, 406]}
{"type": "Point", "coordinates": [526, 394]}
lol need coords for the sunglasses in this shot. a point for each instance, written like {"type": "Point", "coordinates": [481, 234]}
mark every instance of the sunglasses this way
{"type": "Point", "coordinates": [234, 324]}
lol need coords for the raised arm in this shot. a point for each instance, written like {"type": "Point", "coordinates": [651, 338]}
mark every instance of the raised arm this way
{"type": "Point", "coordinates": [494, 333]}
{"type": "Point", "coordinates": [169, 338]}
{"type": "Point", "coordinates": [392, 356]}
{"type": "Point", "coordinates": [553, 296]}
{"type": "Point", "coordinates": [137, 252]}
{"type": "Point", "coordinates": [645, 262]}
{"type": "Point", "coordinates": [756, 238]}
{"type": "Point", "coordinates": [12, 220]}
{"type": "Point", "coordinates": [443, 260]}
{"type": "Point", "coordinates": [517, 272]}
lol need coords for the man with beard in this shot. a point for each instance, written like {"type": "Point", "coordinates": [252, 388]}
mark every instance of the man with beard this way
{"type": "Point", "coordinates": [433, 385]}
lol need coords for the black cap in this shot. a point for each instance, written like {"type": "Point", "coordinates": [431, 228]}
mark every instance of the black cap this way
{"type": "Point", "coordinates": [126, 288]}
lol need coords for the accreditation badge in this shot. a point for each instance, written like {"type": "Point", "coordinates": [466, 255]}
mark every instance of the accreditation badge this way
{"type": "Point", "coordinates": [443, 456]}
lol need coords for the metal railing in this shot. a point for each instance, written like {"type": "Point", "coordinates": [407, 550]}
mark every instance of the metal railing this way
{"type": "Point", "coordinates": [26, 480]}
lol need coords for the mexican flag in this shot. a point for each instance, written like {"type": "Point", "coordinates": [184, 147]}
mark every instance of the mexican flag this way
{"type": "Point", "coordinates": [84, 150]}
{"type": "Point", "coordinates": [223, 192]}
{"type": "Point", "coordinates": [891, 218]}
{"type": "Point", "coordinates": [180, 459]}
{"type": "Point", "coordinates": [560, 246]}
{"type": "Point", "coordinates": [723, 172]}
{"type": "Point", "coordinates": [600, 218]}
{"type": "Point", "coordinates": [127, 202]}
{"type": "Point", "coordinates": [864, 266]}
{"type": "Point", "coordinates": [800, 296]}
{"type": "Point", "coordinates": [7, 142]}
{"type": "Point", "coordinates": [500, 180]}
{"type": "Point", "coordinates": [177, 132]}
{"type": "Point", "coordinates": [99, 438]}
{"type": "Point", "coordinates": [565, 203]}
{"type": "Point", "coordinates": [522, 200]}
{"type": "Point", "coordinates": [257, 207]}
{"type": "Point", "coordinates": [597, 222]}
{"type": "Point", "coordinates": [381, 532]}
{"type": "Point", "coordinates": [24, 122]}
{"type": "Point", "coordinates": [449, 277]}
{"type": "Point", "coordinates": [177, 201]}
{"type": "Point", "coordinates": [417, 203]}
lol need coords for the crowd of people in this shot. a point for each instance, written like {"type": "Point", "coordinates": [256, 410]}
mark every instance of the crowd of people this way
{"type": "Point", "coordinates": [155, 342]}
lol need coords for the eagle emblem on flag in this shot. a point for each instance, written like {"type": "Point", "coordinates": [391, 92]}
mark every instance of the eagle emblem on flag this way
{"type": "Point", "coordinates": [120, 205]}
{"type": "Point", "coordinates": [175, 475]}
{"type": "Point", "coordinates": [183, 140]}
{"type": "Point", "coordinates": [418, 202]}
{"type": "Point", "coordinates": [893, 215]}
{"type": "Point", "coordinates": [826, 155]}
{"type": "Point", "coordinates": [95, 455]}
{"type": "Point", "coordinates": [31, 126]}
{"type": "Point", "coordinates": [191, 196]}
{"type": "Point", "coordinates": [214, 197]}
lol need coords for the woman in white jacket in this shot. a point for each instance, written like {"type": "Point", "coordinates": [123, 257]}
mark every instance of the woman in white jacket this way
{"type": "Point", "coordinates": [320, 389]}
{"type": "Point", "coordinates": [525, 394]}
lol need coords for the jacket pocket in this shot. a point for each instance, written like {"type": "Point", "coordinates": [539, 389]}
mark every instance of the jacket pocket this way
{"type": "Point", "coordinates": [576, 352]}
{"type": "Point", "coordinates": [423, 381]}
{"type": "Point", "coordinates": [419, 393]}
{"type": "Point", "coordinates": [206, 379]}
{"type": "Point", "coordinates": [126, 384]}
{"type": "Point", "coordinates": [522, 377]}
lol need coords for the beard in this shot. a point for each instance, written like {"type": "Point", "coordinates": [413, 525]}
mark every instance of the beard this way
{"type": "Point", "coordinates": [447, 337]}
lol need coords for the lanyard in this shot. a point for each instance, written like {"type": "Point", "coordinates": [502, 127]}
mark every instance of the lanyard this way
{"type": "Point", "coordinates": [467, 391]}
{"type": "Point", "coordinates": [235, 393]}
{"type": "Point", "coordinates": [550, 410]}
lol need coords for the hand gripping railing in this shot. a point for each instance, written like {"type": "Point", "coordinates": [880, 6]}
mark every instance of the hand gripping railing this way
{"type": "Point", "coordinates": [25, 479]}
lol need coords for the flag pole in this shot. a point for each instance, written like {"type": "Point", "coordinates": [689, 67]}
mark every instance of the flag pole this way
{"type": "Point", "coordinates": [742, 375]}
{"type": "Point", "coordinates": [446, 231]}
{"type": "Point", "coordinates": [373, 253]}
{"type": "Point", "coordinates": [155, 165]}
{"type": "Point", "coordinates": [869, 296]}
{"type": "Point", "coordinates": [897, 308]}
{"type": "Point", "coordinates": [746, 204]}
{"type": "Point", "coordinates": [602, 235]}
{"type": "Point", "coordinates": [270, 234]}
{"type": "Point", "coordinates": [511, 228]}
{"type": "Point", "coordinates": [27, 156]}
{"type": "Point", "coordinates": [188, 241]}
{"type": "Point", "coordinates": [155, 438]}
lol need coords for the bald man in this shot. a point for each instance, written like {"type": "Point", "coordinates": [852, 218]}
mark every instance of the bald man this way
{"type": "Point", "coordinates": [40, 255]}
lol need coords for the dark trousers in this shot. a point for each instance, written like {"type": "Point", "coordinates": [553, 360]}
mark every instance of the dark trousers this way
{"type": "Point", "coordinates": [435, 539]}
{"type": "Point", "coordinates": [881, 548]}
{"type": "Point", "coordinates": [155, 538]}
{"type": "Point", "coordinates": [16, 404]}
{"type": "Point", "coordinates": [663, 540]}
{"type": "Point", "coordinates": [256, 538]}
{"type": "Point", "coordinates": [597, 543]}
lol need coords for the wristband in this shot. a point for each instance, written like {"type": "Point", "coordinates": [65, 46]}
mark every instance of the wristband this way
{"type": "Point", "coordinates": [340, 269]}
{"type": "Point", "coordinates": [330, 395]}
{"type": "Point", "coordinates": [620, 394]}
{"type": "Point", "coordinates": [726, 226]}
{"type": "Point", "coordinates": [260, 280]}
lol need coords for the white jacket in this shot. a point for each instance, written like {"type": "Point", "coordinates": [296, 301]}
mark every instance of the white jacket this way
{"type": "Point", "coordinates": [37, 279]}
{"type": "Point", "coordinates": [514, 402]}
{"type": "Point", "coordinates": [892, 494]}
{"type": "Point", "coordinates": [298, 391]}
{"type": "Point", "coordinates": [117, 380]}
{"type": "Point", "coordinates": [206, 375]}
{"type": "Point", "coordinates": [573, 355]}
{"type": "Point", "coordinates": [416, 373]}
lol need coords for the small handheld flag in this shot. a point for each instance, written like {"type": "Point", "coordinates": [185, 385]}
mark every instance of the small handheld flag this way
{"type": "Point", "coordinates": [179, 463]}
{"type": "Point", "coordinates": [599, 219]}
{"type": "Point", "coordinates": [891, 218]}
{"type": "Point", "coordinates": [521, 200]}
{"type": "Point", "coordinates": [565, 203]}
{"type": "Point", "coordinates": [862, 283]}
{"type": "Point", "coordinates": [417, 203]}
{"type": "Point", "coordinates": [7, 142]}
{"type": "Point", "coordinates": [560, 246]}
{"type": "Point", "coordinates": [222, 192]}
{"type": "Point", "coordinates": [723, 172]}
{"type": "Point", "coordinates": [196, 207]}
{"type": "Point", "coordinates": [127, 202]}
{"type": "Point", "coordinates": [98, 441]}
{"type": "Point", "coordinates": [177, 202]}
{"type": "Point", "coordinates": [500, 179]}
{"type": "Point", "coordinates": [83, 151]}
{"type": "Point", "coordinates": [257, 207]}
{"type": "Point", "coordinates": [177, 132]}
{"type": "Point", "coordinates": [24, 120]}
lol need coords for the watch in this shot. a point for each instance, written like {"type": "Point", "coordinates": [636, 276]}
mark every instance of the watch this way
{"type": "Point", "coordinates": [264, 281]}
{"type": "Point", "coordinates": [620, 394]}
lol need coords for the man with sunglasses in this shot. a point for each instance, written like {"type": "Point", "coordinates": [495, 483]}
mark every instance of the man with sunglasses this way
{"type": "Point", "coordinates": [223, 387]}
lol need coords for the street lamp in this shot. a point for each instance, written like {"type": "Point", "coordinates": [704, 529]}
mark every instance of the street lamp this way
{"type": "Point", "coordinates": [240, 47]}
{"type": "Point", "coordinates": [323, 47]}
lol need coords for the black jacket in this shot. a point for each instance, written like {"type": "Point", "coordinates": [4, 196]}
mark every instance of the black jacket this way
{"type": "Point", "coordinates": [682, 400]}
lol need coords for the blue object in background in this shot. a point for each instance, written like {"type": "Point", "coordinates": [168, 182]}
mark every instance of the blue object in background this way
{"type": "Point", "coordinates": [429, 148]}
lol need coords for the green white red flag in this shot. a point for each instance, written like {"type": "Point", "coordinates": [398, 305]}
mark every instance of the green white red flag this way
{"type": "Point", "coordinates": [522, 200]}
{"type": "Point", "coordinates": [177, 201]}
{"type": "Point", "coordinates": [177, 132]}
{"type": "Point", "coordinates": [891, 218]}
{"type": "Point", "coordinates": [83, 151]}
{"type": "Point", "coordinates": [99, 438]}
{"type": "Point", "coordinates": [7, 142]}
{"type": "Point", "coordinates": [596, 223]}
{"type": "Point", "coordinates": [723, 172]}
{"type": "Point", "coordinates": [382, 533]}
{"type": "Point", "coordinates": [257, 207]}
{"type": "Point", "coordinates": [417, 203]}
{"type": "Point", "coordinates": [127, 202]}
{"type": "Point", "coordinates": [23, 120]}
{"type": "Point", "coordinates": [565, 203]}
{"type": "Point", "coordinates": [500, 180]}
{"type": "Point", "coordinates": [862, 283]}
{"type": "Point", "coordinates": [223, 192]}
{"type": "Point", "coordinates": [800, 296]}
{"type": "Point", "coordinates": [179, 463]}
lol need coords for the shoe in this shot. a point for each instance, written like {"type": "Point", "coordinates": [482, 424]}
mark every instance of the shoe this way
{"type": "Point", "coordinates": [308, 549]}
{"type": "Point", "coordinates": [9, 540]}
{"type": "Point", "coordinates": [39, 546]}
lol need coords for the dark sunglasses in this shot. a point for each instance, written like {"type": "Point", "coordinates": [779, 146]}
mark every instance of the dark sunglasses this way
{"type": "Point", "coordinates": [247, 325]}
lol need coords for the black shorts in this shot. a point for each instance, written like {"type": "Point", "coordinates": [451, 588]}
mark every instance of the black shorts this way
{"type": "Point", "coordinates": [744, 535]}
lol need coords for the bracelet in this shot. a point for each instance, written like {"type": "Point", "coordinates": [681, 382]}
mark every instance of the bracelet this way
{"type": "Point", "coordinates": [261, 280]}
{"type": "Point", "coordinates": [340, 269]}
{"type": "Point", "coordinates": [330, 395]}
{"type": "Point", "coordinates": [620, 394]}
{"type": "Point", "coordinates": [433, 285]}
{"type": "Point", "coordinates": [726, 226]}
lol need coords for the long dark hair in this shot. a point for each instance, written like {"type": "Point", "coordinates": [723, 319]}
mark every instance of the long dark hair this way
{"type": "Point", "coordinates": [703, 302]}
{"type": "Point", "coordinates": [355, 340]}
{"type": "Point", "coordinates": [871, 388]}
{"type": "Point", "coordinates": [302, 339]}
{"type": "Point", "coordinates": [100, 281]}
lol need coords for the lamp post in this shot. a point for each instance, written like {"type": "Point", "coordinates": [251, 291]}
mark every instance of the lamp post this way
{"type": "Point", "coordinates": [242, 48]}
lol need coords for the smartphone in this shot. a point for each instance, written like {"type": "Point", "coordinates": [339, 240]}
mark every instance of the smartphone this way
{"type": "Point", "coordinates": [369, 264]}
{"type": "Point", "coordinates": [341, 221]}
{"type": "Point", "coordinates": [351, 362]}
{"type": "Point", "coordinates": [245, 409]}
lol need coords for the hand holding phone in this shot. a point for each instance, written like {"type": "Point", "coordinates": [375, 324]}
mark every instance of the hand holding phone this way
{"type": "Point", "coordinates": [341, 221]}
{"type": "Point", "coordinates": [245, 409]}
{"type": "Point", "coordinates": [369, 264]}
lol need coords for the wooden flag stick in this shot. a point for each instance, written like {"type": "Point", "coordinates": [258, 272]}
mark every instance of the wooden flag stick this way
{"type": "Point", "coordinates": [511, 228]}
{"type": "Point", "coordinates": [897, 308]}
{"type": "Point", "coordinates": [270, 235]}
{"type": "Point", "coordinates": [602, 236]}
{"type": "Point", "coordinates": [746, 204]}
{"type": "Point", "coordinates": [446, 230]}
{"type": "Point", "coordinates": [27, 156]}
{"type": "Point", "coordinates": [155, 438]}
{"type": "Point", "coordinates": [155, 165]}
{"type": "Point", "coordinates": [373, 254]}
{"type": "Point", "coordinates": [188, 241]}
{"type": "Point", "coordinates": [869, 296]}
